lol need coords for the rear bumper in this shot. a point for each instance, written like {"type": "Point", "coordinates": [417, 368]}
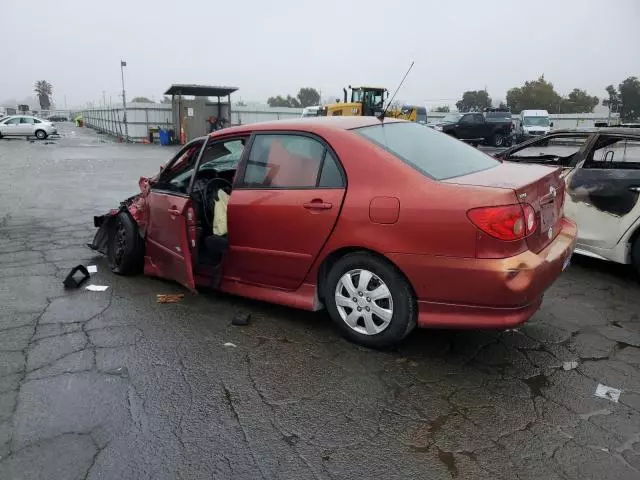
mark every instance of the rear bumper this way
{"type": "Point", "coordinates": [485, 293]}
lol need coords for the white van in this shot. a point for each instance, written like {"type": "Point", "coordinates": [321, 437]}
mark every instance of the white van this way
{"type": "Point", "coordinates": [533, 123]}
{"type": "Point", "coordinates": [310, 111]}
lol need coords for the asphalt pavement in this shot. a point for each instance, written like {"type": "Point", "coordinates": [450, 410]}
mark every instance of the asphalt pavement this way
{"type": "Point", "coordinates": [113, 385]}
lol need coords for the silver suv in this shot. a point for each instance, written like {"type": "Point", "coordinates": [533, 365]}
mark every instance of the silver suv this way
{"type": "Point", "coordinates": [26, 126]}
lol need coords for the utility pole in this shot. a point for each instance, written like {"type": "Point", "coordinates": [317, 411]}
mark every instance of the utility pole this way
{"type": "Point", "coordinates": [124, 102]}
{"type": "Point", "coordinates": [104, 99]}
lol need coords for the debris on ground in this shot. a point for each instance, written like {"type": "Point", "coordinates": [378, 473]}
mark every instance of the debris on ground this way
{"type": "Point", "coordinates": [608, 393]}
{"type": "Point", "coordinates": [92, 269]}
{"type": "Point", "coordinates": [169, 298]}
{"type": "Point", "coordinates": [73, 280]}
{"type": "Point", "coordinates": [96, 288]}
{"type": "Point", "coordinates": [229, 344]}
{"type": "Point", "coordinates": [569, 365]}
{"type": "Point", "coordinates": [241, 318]}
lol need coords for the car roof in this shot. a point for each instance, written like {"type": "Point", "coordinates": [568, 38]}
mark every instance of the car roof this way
{"type": "Point", "coordinates": [310, 124]}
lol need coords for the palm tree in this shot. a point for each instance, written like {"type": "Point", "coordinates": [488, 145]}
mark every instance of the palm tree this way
{"type": "Point", "coordinates": [44, 89]}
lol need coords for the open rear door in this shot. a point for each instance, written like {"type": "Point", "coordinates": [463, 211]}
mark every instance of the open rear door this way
{"type": "Point", "coordinates": [168, 249]}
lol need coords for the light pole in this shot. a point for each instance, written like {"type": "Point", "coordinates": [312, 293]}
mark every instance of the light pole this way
{"type": "Point", "coordinates": [124, 102]}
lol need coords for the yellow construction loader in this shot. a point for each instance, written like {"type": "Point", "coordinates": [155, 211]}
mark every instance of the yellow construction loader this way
{"type": "Point", "coordinates": [369, 101]}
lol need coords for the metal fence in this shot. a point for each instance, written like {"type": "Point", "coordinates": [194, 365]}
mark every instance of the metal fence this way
{"type": "Point", "coordinates": [141, 117]}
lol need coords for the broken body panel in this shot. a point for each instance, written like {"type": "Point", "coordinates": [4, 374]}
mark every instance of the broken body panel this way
{"type": "Point", "coordinates": [602, 177]}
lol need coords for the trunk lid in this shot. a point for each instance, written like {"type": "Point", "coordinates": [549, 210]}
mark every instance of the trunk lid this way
{"type": "Point", "coordinates": [540, 186]}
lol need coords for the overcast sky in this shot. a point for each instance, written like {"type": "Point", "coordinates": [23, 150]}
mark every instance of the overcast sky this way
{"type": "Point", "coordinates": [275, 47]}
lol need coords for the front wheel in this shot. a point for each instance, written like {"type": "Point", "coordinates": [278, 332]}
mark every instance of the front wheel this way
{"type": "Point", "coordinates": [370, 301]}
{"type": "Point", "coordinates": [124, 251]}
{"type": "Point", "coordinates": [41, 134]}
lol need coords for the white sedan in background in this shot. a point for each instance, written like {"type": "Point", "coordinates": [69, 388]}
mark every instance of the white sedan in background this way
{"type": "Point", "coordinates": [26, 126]}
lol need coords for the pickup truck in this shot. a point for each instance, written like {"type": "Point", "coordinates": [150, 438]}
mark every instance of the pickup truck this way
{"type": "Point", "coordinates": [475, 128]}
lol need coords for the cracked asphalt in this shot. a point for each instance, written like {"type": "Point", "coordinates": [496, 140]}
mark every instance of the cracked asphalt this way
{"type": "Point", "coordinates": [112, 385]}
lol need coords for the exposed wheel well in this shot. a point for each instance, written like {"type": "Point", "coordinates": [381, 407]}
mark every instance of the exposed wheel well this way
{"type": "Point", "coordinates": [333, 257]}
{"type": "Point", "coordinates": [634, 236]}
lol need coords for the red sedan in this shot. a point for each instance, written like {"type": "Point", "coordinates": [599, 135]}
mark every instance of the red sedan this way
{"type": "Point", "coordinates": [388, 225]}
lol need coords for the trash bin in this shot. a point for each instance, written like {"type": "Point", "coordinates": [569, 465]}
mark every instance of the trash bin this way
{"type": "Point", "coordinates": [164, 137]}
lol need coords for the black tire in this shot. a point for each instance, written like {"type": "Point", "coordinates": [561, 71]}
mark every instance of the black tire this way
{"type": "Point", "coordinates": [404, 312]}
{"type": "Point", "coordinates": [125, 249]}
{"type": "Point", "coordinates": [41, 135]}
{"type": "Point", "coordinates": [497, 140]}
{"type": "Point", "coordinates": [635, 254]}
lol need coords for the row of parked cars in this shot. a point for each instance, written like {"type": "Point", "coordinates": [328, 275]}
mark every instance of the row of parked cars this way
{"type": "Point", "coordinates": [494, 126]}
{"type": "Point", "coordinates": [385, 223]}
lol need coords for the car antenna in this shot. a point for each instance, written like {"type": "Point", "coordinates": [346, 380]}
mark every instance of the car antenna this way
{"type": "Point", "coordinates": [381, 116]}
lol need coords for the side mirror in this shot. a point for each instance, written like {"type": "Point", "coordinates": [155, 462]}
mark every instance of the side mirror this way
{"type": "Point", "coordinates": [551, 124]}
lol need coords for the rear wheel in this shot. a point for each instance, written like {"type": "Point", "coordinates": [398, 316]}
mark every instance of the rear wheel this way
{"type": "Point", "coordinates": [41, 134]}
{"type": "Point", "coordinates": [497, 140]}
{"type": "Point", "coordinates": [370, 301]}
{"type": "Point", "coordinates": [125, 246]}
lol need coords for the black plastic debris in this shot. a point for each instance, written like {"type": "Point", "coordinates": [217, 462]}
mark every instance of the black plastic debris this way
{"type": "Point", "coordinates": [241, 319]}
{"type": "Point", "coordinates": [72, 280]}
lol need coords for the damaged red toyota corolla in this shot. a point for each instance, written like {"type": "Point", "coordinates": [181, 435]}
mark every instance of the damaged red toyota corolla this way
{"type": "Point", "coordinates": [387, 225]}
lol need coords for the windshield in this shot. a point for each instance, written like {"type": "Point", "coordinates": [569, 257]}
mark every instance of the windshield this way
{"type": "Point", "coordinates": [536, 121]}
{"type": "Point", "coordinates": [369, 97]}
{"type": "Point", "coordinates": [432, 153]}
{"type": "Point", "coordinates": [451, 118]}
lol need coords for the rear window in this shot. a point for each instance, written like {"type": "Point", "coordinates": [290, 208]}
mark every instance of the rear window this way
{"type": "Point", "coordinates": [432, 153]}
{"type": "Point", "coordinates": [498, 116]}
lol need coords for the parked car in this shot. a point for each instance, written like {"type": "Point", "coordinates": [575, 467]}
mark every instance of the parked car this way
{"type": "Point", "coordinates": [602, 174]}
{"type": "Point", "coordinates": [58, 118]}
{"type": "Point", "coordinates": [474, 128]}
{"type": "Point", "coordinates": [26, 126]}
{"type": "Point", "coordinates": [533, 123]}
{"type": "Point", "coordinates": [387, 224]}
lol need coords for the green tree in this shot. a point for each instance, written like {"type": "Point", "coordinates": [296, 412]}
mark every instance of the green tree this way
{"type": "Point", "coordinates": [534, 95]}
{"type": "Point", "coordinates": [474, 100]}
{"type": "Point", "coordinates": [44, 90]}
{"type": "Point", "coordinates": [141, 100]}
{"type": "Point", "coordinates": [442, 109]}
{"type": "Point", "coordinates": [629, 94]}
{"type": "Point", "coordinates": [308, 97]}
{"type": "Point", "coordinates": [280, 101]}
{"type": "Point", "coordinates": [503, 106]}
{"type": "Point", "coordinates": [578, 101]}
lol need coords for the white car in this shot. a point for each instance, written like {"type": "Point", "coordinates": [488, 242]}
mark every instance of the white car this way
{"type": "Point", "coordinates": [26, 126]}
{"type": "Point", "coordinates": [601, 170]}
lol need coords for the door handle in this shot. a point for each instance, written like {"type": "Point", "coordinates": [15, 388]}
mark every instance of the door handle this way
{"type": "Point", "coordinates": [174, 211]}
{"type": "Point", "coordinates": [635, 189]}
{"type": "Point", "coordinates": [317, 204]}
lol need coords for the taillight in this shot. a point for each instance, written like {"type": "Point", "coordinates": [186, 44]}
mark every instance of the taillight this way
{"type": "Point", "coordinates": [506, 222]}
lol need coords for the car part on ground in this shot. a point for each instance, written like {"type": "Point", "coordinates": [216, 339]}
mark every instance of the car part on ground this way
{"type": "Point", "coordinates": [312, 222]}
